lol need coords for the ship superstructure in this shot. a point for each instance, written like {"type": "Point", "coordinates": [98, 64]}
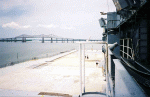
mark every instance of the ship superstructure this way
{"type": "Point", "coordinates": [128, 65]}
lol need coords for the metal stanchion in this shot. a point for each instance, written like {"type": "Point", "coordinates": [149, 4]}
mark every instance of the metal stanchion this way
{"type": "Point", "coordinates": [83, 67]}
{"type": "Point", "coordinates": [80, 58]}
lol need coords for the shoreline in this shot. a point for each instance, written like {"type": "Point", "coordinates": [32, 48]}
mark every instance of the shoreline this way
{"type": "Point", "coordinates": [33, 62]}
{"type": "Point", "coordinates": [34, 58]}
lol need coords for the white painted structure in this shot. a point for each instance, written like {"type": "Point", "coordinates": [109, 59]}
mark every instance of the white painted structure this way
{"type": "Point", "coordinates": [119, 81]}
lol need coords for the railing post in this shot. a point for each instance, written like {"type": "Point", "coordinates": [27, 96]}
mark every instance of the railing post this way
{"type": "Point", "coordinates": [127, 48]}
{"type": "Point", "coordinates": [80, 63]}
{"type": "Point", "coordinates": [83, 67]}
{"type": "Point", "coordinates": [132, 51]}
{"type": "Point", "coordinates": [123, 48]}
{"type": "Point", "coordinates": [107, 86]}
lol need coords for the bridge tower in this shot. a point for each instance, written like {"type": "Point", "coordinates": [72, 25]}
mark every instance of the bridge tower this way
{"type": "Point", "coordinates": [23, 39]}
{"type": "Point", "coordinates": [15, 39]}
{"type": "Point", "coordinates": [62, 40]}
{"type": "Point", "coordinates": [73, 40]}
{"type": "Point", "coordinates": [56, 40]}
{"type": "Point", "coordinates": [42, 39]}
{"type": "Point", "coordinates": [51, 40]}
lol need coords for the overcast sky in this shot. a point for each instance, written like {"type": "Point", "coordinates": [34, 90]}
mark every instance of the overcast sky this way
{"type": "Point", "coordinates": [65, 18]}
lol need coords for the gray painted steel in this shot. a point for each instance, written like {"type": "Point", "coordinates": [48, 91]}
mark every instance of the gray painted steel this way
{"type": "Point", "coordinates": [125, 85]}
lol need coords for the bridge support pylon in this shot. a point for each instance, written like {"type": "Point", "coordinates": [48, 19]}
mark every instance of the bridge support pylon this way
{"type": "Point", "coordinates": [15, 39]}
{"type": "Point", "coordinates": [51, 40]}
{"type": "Point", "coordinates": [73, 40]}
{"type": "Point", "coordinates": [42, 39]}
{"type": "Point", "coordinates": [56, 40]}
{"type": "Point", "coordinates": [23, 39]}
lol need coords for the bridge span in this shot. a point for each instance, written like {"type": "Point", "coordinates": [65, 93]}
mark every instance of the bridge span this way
{"type": "Point", "coordinates": [52, 38]}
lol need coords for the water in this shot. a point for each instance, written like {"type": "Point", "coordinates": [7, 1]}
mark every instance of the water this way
{"type": "Point", "coordinates": [14, 52]}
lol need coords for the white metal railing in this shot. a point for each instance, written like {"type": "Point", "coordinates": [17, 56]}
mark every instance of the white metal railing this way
{"type": "Point", "coordinates": [127, 46]}
{"type": "Point", "coordinates": [82, 62]}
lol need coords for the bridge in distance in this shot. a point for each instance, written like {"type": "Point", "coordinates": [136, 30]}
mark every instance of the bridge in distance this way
{"type": "Point", "coordinates": [51, 37]}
